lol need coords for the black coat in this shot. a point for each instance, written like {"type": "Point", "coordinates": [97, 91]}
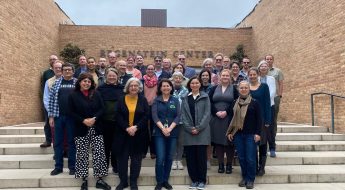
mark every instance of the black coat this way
{"type": "Point", "coordinates": [122, 140]}
{"type": "Point", "coordinates": [82, 107]}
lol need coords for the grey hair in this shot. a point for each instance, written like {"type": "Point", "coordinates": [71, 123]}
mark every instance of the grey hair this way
{"type": "Point", "coordinates": [262, 62]}
{"type": "Point", "coordinates": [206, 61]}
{"type": "Point", "coordinates": [126, 89]}
{"type": "Point", "coordinates": [177, 74]}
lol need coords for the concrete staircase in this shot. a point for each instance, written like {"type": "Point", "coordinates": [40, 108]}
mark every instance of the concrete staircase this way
{"type": "Point", "coordinates": [305, 154]}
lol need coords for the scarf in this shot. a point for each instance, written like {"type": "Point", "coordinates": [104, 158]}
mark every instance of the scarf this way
{"type": "Point", "coordinates": [150, 82]}
{"type": "Point", "coordinates": [240, 111]}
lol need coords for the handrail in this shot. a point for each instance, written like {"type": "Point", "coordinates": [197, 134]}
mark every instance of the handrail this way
{"type": "Point", "coordinates": [332, 106]}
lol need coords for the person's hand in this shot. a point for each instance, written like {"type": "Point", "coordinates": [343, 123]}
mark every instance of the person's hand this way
{"type": "Point", "coordinates": [230, 137]}
{"type": "Point", "coordinates": [166, 131]}
{"type": "Point", "coordinates": [256, 138]}
{"type": "Point", "coordinates": [89, 122]}
{"type": "Point", "coordinates": [194, 131]}
{"type": "Point", "coordinates": [132, 130]}
{"type": "Point", "coordinates": [221, 114]}
{"type": "Point", "coordinates": [51, 122]}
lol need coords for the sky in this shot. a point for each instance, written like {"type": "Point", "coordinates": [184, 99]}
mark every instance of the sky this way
{"type": "Point", "coordinates": [180, 13]}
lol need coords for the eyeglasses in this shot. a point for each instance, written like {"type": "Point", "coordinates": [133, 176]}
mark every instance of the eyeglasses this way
{"type": "Point", "coordinates": [158, 60]}
{"type": "Point", "coordinates": [246, 62]}
{"type": "Point", "coordinates": [181, 58]}
{"type": "Point", "coordinates": [67, 69]}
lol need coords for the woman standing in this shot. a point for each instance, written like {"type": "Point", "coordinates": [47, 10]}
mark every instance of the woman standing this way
{"type": "Point", "coordinates": [261, 93]}
{"type": "Point", "coordinates": [110, 91]}
{"type": "Point", "coordinates": [205, 76]}
{"type": "Point", "coordinates": [86, 107]}
{"type": "Point", "coordinates": [179, 67]}
{"type": "Point", "coordinates": [132, 132]}
{"type": "Point", "coordinates": [271, 82]}
{"type": "Point", "coordinates": [166, 115]}
{"type": "Point", "coordinates": [196, 117]}
{"type": "Point", "coordinates": [179, 92]}
{"type": "Point", "coordinates": [235, 71]}
{"type": "Point", "coordinates": [150, 83]}
{"type": "Point", "coordinates": [221, 97]}
{"type": "Point", "coordinates": [244, 131]}
{"type": "Point", "coordinates": [196, 113]}
{"type": "Point", "coordinates": [208, 64]}
{"type": "Point", "coordinates": [131, 70]}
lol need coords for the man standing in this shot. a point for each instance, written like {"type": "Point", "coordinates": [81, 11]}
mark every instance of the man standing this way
{"type": "Point", "coordinates": [139, 64]}
{"type": "Point", "coordinates": [278, 75]}
{"type": "Point", "coordinates": [121, 67]}
{"type": "Point", "coordinates": [190, 72]}
{"type": "Point", "coordinates": [91, 68]}
{"type": "Point", "coordinates": [245, 67]}
{"type": "Point", "coordinates": [160, 73]}
{"type": "Point", "coordinates": [102, 65]}
{"type": "Point", "coordinates": [112, 57]}
{"type": "Point", "coordinates": [60, 119]}
{"type": "Point", "coordinates": [47, 74]}
{"type": "Point", "coordinates": [82, 66]}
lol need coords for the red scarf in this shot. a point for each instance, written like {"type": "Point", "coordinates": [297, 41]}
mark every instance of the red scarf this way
{"type": "Point", "coordinates": [150, 82]}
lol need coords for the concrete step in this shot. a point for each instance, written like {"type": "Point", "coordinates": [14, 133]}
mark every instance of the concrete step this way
{"type": "Point", "coordinates": [301, 129]}
{"type": "Point", "coordinates": [283, 158]}
{"type": "Point", "coordinates": [39, 138]}
{"type": "Point", "coordinates": [24, 149]}
{"type": "Point", "coordinates": [310, 146]}
{"type": "Point", "coordinates": [299, 186]}
{"type": "Point", "coordinates": [37, 128]}
{"type": "Point", "coordinates": [309, 137]}
{"type": "Point", "coordinates": [33, 148]}
{"type": "Point", "coordinates": [20, 130]}
{"type": "Point", "coordinates": [34, 178]}
{"type": "Point", "coordinates": [18, 139]}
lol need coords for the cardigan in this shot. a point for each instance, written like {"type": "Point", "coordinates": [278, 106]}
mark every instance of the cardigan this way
{"type": "Point", "coordinates": [82, 107]}
{"type": "Point", "coordinates": [137, 143]}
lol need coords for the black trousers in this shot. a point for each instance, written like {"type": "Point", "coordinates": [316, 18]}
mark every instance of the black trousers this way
{"type": "Point", "coordinates": [108, 135]}
{"type": "Point", "coordinates": [135, 167]}
{"type": "Point", "coordinates": [196, 157]}
{"type": "Point", "coordinates": [272, 130]}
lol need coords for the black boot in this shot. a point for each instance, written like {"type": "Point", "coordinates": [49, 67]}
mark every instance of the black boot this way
{"type": "Point", "coordinates": [262, 163]}
{"type": "Point", "coordinates": [221, 168]}
{"type": "Point", "coordinates": [84, 185]}
{"type": "Point", "coordinates": [228, 168]}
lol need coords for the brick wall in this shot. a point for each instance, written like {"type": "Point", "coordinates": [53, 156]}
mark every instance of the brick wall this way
{"type": "Point", "coordinates": [29, 33]}
{"type": "Point", "coordinates": [94, 39]}
{"type": "Point", "coordinates": [307, 39]}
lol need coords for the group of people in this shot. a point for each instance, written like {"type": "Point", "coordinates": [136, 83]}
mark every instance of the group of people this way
{"type": "Point", "coordinates": [124, 109]}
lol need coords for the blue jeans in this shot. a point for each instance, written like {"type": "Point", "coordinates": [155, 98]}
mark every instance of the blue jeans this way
{"type": "Point", "coordinates": [63, 123]}
{"type": "Point", "coordinates": [165, 149]}
{"type": "Point", "coordinates": [246, 152]}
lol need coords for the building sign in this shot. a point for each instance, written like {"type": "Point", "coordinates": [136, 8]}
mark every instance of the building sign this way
{"type": "Point", "coordinates": [165, 53]}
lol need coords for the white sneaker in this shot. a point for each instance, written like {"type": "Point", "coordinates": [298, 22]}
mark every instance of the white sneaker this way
{"type": "Point", "coordinates": [174, 165]}
{"type": "Point", "coordinates": [179, 165]}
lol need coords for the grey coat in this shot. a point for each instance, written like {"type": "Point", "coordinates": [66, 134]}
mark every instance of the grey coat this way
{"type": "Point", "coordinates": [202, 120]}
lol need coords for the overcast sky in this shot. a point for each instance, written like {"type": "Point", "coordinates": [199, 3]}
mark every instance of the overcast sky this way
{"type": "Point", "coordinates": [180, 13]}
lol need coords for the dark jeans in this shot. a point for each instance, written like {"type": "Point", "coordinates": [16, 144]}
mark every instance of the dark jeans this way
{"type": "Point", "coordinates": [47, 129]}
{"type": "Point", "coordinates": [62, 124]}
{"type": "Point", "coordinates": [246, 152]}
{"type": "Point", "coordinates": [135, 167]}
{"type": "Point", "coordinates": [165, 149]}
{"type": "Point", "coordinates": [272, 131]}
{"type": "Point", "coordinates": [276, 111]}
{"type": "Point", "coordinates": [196, 157]}
{"type": "Point", "coordinates": [108, 135]}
